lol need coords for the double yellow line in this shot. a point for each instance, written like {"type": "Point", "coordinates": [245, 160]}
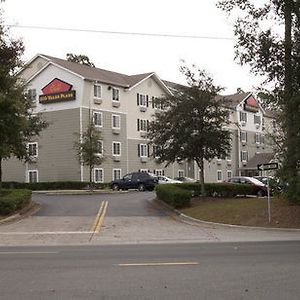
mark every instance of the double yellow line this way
{"type": "Point", "coordinates": [99, 218]}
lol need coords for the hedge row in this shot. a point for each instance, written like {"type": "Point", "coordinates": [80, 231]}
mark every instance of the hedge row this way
{"type": "Point", "coordinates": [13, 200]}
{"type": "Point", "coordinates": [173, 195]}
{"type": "Point", "coordinates": [54, 185]}
{"type": "Point", "coordinates": [225, 190]}
{"type": "Point", "coordinates": [179, 195]}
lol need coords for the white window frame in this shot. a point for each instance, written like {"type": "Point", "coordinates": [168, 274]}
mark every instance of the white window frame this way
{"type": "Point", "coordinates": [243, 116]}
{"type": "Point", "coordinates": [36, 149]}
{"type": "Point", "coordinates": [143, 125]}
{"type": "Point", "coordinates": [221, 177]}
{"type": "Point", "coordinates": [101, 170]}
{"type": "Point", "coordinates": [28, 176]}
{"type": "Point", "coordinates": [115, 94]}
{"type": "Point", "coordinates": [159, 172]}
{"type": "Point", "coordinates": [97, 89]}
{"type": "Point", "coordinates": [244, 153]}
{"type": "Point", "coordinates": [180, 173]}
{"type": "Point", "coordinates": [116, 177]}
{"type": "Point", "coordinates": [143, 150]}
{"type": "Point", "coordinates": [100, 148]}
{"type": "Point", "coordinates": [32, 95]}
{"type": "Point", "coordinates": [243, 136]}
{"type": "Point", "coordinates": [229, 156]}
{"type": "Point", "coordinates": [143, 100]}
{"type": "Point", "coordinates": [143, 170]}
{"type": "Point", "coordinates": [113, 148]}
{"type": "Point", "coordinates": [100, 114]}
{"type": "Point", "coordinates": [229, 172]}
{"type": "Point", "coordinates": [257, 138]}
{"type": "Point", "coordinates": [113, 117]}
{"type": "Point", "coordinates": [257, 118]}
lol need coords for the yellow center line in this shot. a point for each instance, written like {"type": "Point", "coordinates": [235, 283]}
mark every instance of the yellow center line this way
{"type": "Point", "coordinates": [159, 264]}
{"type": "Point", "coordinates": [93, 228]}
{"type": "Point", "coordinates": [98, 226]}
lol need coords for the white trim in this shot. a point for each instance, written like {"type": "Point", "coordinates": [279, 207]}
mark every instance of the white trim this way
{"type": "Point", "coordinates": [37, 175]}
{"type": "Point", "coordinates": [159, 81]}
{"type": "Point", "coordinates": [219, 172]}
{"type": "Point", "coordinates": [112, 121]}
{"type": "Point", "coordinates": [36, 150]}
{"type": "Point", "coordinates": [98, 169]}
{"type": "Point", "coordinates": [112, 148]}
{"type": "Point", "coordinates": [117, 169]}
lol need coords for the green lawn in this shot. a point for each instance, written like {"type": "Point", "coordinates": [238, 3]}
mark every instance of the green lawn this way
{"type": "Point", "coordinates": [245, 211]}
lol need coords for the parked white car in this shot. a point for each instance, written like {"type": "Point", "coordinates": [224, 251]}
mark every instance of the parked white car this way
{"type": "Point", "coordinates": [165, 179]}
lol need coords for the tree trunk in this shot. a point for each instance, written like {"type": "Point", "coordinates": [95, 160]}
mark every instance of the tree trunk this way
{"type": "Point", "coordinates": [91, 179]}
{"type": "Point", "coordinates": [200, 164]}
{"type": "Point", "coordinates": [0, 173]}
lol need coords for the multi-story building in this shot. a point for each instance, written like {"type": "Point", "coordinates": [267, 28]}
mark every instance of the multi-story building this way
{"type": "Point", "coordinates": [68, 95]}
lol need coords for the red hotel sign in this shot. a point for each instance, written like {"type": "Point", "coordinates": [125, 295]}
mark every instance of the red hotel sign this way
{"type": "Point", "coordinates": [56, 91]}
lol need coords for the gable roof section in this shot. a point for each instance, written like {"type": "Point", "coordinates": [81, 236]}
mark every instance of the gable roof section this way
{"type": "Point", "coordinates": [258, 158]}
{"type": "Point", "coordinates": [103, 76]}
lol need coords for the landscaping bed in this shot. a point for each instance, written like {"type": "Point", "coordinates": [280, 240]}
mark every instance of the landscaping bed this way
{"type": "Point", "coordinates": [246, 211]}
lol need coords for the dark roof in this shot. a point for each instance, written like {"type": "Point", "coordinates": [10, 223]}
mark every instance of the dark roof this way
{"type": "Point", "coordinates": [259, 158]}
{"type": "Point", "coordinates": [97, 74]}
{"type": "Point", "coordinates": [234, 99]}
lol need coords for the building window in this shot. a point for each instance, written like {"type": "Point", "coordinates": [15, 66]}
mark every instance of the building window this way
{"type": "Point", "coordinates": [228, 156]}
{"type": "Point", "coordinates": [143, 150]}
{"type": "Point", "coordinates": [142, 100]}
{"type": "Point", "coordinates": [143, 171]}
{"type": "Point", "coordinates": [99, 147]}
{"type": "Point", "coordinates": [32, 149]}
{"type": "Point", "coordinates": [116, 121]}
{"type": "Point", "coordinates": [117, 173]}
{"type": "Point", "coordinates": [244, 156]}
{"type": "Point", "coordinates": [33, 176]}
{"type": "Point", "coordinates": [243, 136]}
{"type": "Point", "coordinates": [219, 176]}
{"type": "Point", "coordinates": [243, 116]}
{"type": "Point", "coordinates": [98, 175]}
{"type": "Point", "coordinates": [98, 119]}
{"type": "Point", "coordinates": [115, 94]}
{"type": "Point", "coordinates": [257, 120]}
{"type": "Point", "coordinates": [180, 173]}
{"type": "Point", "coordinates": [229, 174]}
{"type": "Point", "coordinates": [97, 91]}
{"type": "Point", "coordinates": [31, 94]}
{"type": "Point", "coordinates": [159, 172]}
{"type": "Point", "coordinates": [142, 125]}
{"type": "Point", "coordinates": [257, 138]}
{"type": "Point", "coordinates": [155, 151]}
{"type": "Point", "coordinates": [116, 148]}
{"type": "Point", "coordinates": [156, 103]}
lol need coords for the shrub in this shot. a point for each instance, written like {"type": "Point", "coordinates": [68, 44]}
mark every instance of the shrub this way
{"type": "Point", "coordinates": [173, 195]}
{"type": "Point", "coordinates": [225, 190]}
{"type": "Point", "coordinates": [13, 200]}
{"type": "Point", "coordinates": [54, 185]}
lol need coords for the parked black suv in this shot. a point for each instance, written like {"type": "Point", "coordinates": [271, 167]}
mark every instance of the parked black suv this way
{"type": "Point", "coordinates": [137, 180]}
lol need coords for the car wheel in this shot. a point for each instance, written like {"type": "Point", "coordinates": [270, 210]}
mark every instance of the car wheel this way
{"type": "Point", "coordinates": [115, 187]}
{"type": "Point", "coordinates": [141, 187]}
{"type": "Point", "coordinates": [260, 193]}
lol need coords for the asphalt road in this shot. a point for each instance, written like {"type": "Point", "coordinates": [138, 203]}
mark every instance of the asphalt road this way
{"type": "Point", "coordinates": [186, 271]}
{"type": "Point", "coordinates": [119, 218]}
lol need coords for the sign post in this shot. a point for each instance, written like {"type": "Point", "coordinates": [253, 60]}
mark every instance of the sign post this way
{"type": "Point", "coordinates": [268, 167]}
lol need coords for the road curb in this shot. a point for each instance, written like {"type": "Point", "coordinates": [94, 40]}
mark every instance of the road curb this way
{"type": "Point", "coordinates": [197, 221]}
{"type": "Point", "coordinates": [29, 210]}
{"type": "Point", "coordinates": [78, 192]}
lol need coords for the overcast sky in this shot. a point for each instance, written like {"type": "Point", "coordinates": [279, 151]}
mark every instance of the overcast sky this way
{"type": "Point", "coordinates": [131, 54]}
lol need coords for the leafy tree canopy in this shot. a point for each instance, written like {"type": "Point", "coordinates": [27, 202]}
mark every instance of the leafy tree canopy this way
{"type": "Point", "coordinates": [191, 126]}
{"type": "Point", "coordinates": [18, 125]}
{"type": "Point", "coordinates": [80, 59]}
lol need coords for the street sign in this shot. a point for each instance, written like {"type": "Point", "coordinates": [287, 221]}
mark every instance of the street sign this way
{"type": "Point", "coordinates": [266, 167]}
